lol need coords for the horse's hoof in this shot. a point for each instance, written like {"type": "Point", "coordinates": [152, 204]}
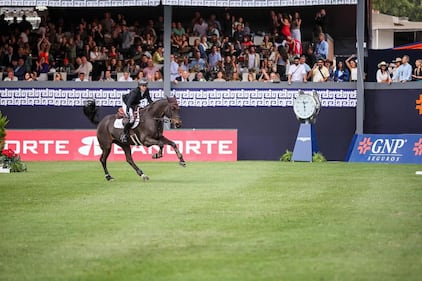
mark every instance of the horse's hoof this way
{"type": "Point", "coordinates": [182, 163]}
{"type": "Point", "coordinates": [144, 177]}
{"type": "Point", "coordinates": [109, 178]}
{"type": "Point", "coordinates": [156, 156]}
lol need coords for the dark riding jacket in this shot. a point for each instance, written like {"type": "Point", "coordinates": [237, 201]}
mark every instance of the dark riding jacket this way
{"type": "Point", "coordinates": [134, 97]}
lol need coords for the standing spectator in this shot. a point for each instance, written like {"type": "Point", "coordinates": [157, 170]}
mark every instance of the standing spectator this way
{"type": "Point", "coordinates": [252, 59]}
{"type": "Point", "coordinates": [308, 69]}
{"type": "Point", "coordinates": [203, 47]}
{"type": "Point", "coordinates": [393, 69]}
{"type": "Point", "coordinates": [417, 71]}
{"type": "Point", "coordinates": [227, 25]}
{"type": "Point", "coordinates": [404, 72]}
{"type": "Point", "coordinates": [297, 72]}
{"type": "Point", "coordinates": [321, 49]}
{"type": "Point", "coordinates": [383, 76]}
{"type": "Point", "coordinates": [320, 22]}
{"type": "Point", "coordinates": [320, 72]}
{"type": "Point", "coordinates": [84, 65]}
{"type": "Point", "coordinates": [200, 28]}
{"type": "Point", "coordinates": [353, 67]}
{"type": "Point", "coordinates": [282, 61]}
{"type": "Point", "coordinates": [174, 67]}
{"type": "Point", "coordinates": [150, 70]}
{"type": "Point", "coordinates": [341, 74]}
{"type": "Point", "coordinates": [329, 65]}
{"type": "Point", "coordinates": [295, 27]}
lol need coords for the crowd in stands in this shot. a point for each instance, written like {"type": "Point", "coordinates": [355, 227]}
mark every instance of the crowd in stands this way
{"type": "Point", "coordinates": [204, 49]}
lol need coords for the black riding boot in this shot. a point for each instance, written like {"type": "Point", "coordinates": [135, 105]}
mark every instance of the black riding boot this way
{"type": "Point", "coordinates": [125, 134]}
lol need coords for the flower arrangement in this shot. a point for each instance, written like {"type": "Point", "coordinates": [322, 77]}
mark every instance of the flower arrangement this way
{"type": "Point", "coordinates": [11, 160]}
{"type": "Point", "coordinates": [8, 158]}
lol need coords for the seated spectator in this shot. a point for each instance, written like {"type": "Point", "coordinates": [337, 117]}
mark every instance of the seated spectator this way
{"type": "Point", "coordinates": [341, 74]}
{"type": "Point", "coordinates": [158, 76]}
{"type": "Point", "coordinates": [383, 76]}
{"type": "Point", "coordinates": [58, 76]}
{"type": "Point", "coordinates": [417, 71]}
{"type": "Point", "coordinates": [151, 69]}
{"type": "Point", "coordinates": [83, 65]}
{"type": "Point", "coordinates": [27, 77]}
{"type": "Point", "coordinates": [252, 59]}
{"type": "Point", "coordinates": [107, 76]}
{"type": "Point", "coordinates": [252, 76]}
{"type": "Point", "coordinates": [404, 72]}
{"type": "Point", "coordinates": [42, 67]}
{"type": "Point", "coordinates": [297, 72]}
{"type": "Point", "coordinates": [140, 76]}
{"type": "Point", "coordinates": [198, 63]}
{"type": "Point", "coordinates": [10, 76]}
{"type": "Point", "coordinates": [266, 46]}
{"type": "Point", "coordinates": [199, 77]}
{"type": "Point", "coordinates": [125, 77]}
{"type": "Point", "coordinates": [158, 56]}
{"type": "Point", "coordinates": [219, 77]}
{"type": "Point", "coordinates": [81, 77]}
{"type": "Point", "coordinates": [320, 72]}
{"type": "Point", "coordinates": [20, 68]}
{"type": "Point", "coordinates": [353, 67]}
{"type": "Point", "coordinates": [321, 49]}
{"type": "Point", "coordinates": [184, 77]}
{"type": "Point", "coordinates": [274, 77]}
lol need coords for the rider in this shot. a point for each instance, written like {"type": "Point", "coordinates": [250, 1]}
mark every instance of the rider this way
{"type": "Point", "coordinates": [130, 101]}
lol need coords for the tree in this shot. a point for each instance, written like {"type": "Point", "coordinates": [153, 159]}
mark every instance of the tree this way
{"type": "Point", "coordinates": [403, 8]}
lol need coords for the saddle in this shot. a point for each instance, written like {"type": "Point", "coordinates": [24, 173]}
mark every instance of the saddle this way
{"type": "Point", "coordinates": [122, 120]}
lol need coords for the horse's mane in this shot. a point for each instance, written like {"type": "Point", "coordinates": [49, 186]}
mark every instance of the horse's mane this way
{"type": "Point", "coordinates": [170, 100]}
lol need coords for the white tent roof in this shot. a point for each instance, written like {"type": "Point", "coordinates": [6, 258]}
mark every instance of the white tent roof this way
{"type": "Point", "coordinates": [199, 3]}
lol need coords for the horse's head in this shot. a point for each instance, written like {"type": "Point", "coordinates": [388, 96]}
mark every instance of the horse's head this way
{"type": "Point", "coordinates": [172, 112]}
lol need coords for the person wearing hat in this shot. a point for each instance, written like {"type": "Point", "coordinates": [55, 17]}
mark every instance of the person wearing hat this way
{"type": "Point", "coordinates": [383, 75]}
{"type": "Point", "coordinates": [395, 64]}
{"type": "Point", "coordinates": [132, 100]}
{"type": "Point", "coordinates": [404, 71]}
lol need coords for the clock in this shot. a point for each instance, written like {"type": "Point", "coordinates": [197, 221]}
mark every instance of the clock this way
{"type": "Point", "coordinates": [306, 106]}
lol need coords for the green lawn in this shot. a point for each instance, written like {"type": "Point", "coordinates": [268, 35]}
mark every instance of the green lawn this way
{"type": "Point", "coordinates": [246, 220]}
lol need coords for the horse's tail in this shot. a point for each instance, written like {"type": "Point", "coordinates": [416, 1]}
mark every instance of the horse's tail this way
{"type": "Point", "coordinates": [91, 111]}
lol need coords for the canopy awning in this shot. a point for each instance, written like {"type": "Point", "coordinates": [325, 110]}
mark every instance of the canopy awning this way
{"type": "Point", "coordinates": [197, 3]}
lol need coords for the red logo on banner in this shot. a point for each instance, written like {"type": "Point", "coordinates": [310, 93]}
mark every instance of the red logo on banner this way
{"type": "Point", "coordinates": [64, 145]}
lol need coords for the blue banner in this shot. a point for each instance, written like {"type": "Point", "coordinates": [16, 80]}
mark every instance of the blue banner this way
{"type": "Point", "coordinates": [394, 149]}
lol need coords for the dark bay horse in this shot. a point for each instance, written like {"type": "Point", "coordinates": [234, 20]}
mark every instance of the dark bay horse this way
{"type": "Point", "coordinates": [149, 131]}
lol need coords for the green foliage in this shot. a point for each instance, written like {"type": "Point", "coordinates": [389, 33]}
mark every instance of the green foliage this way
{"type": "Point", "coordinates": [287, 156]}
{"type": "Point", "coordinates": [3, 123]}
{"type": "Point", "coordinates": [403, 8]}
{"type": "Point", "coordinates": [318, 157]}
{"type": "Point", "coordinates": [228, 221]}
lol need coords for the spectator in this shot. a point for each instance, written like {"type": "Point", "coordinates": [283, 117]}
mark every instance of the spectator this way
{"type": "Point", "coordinates": [266, 46]}
{"type": "Point", "coordinates": [329, 65]}
{"type": "Point", "coordinates": [404, 72]}
{"type": "Point", "coordinates": [353, 67]}
{"type": "Point", "coordinates": [28, 77]}
{"type": "Point", "coordinates": [125, 77]}
{"type": "Point", "coordinates": [229, 67]}
{"type": "Point", "coordinates": [10, 76]}
{"type": "Point", "coordinates": [219, 77]}
{"type": "Point", "coordinates": [320, 72]}
{"type": "Point", "coordinates": [200, 28]}
{"type": "Point", "coordinates": [158, 76]}
{"type": "Point", "coordinates": [107, 76]}
{"type": "Point", "coordinates": [84, 65]}
{"type": "Point", "coordinates": [252, 76]}
{"type": "Point", "coordinates": [203, 47]}
{"type": "Point", "coordinates": [58, 76]}
{"type": "Point", "coordinates": [395, 64]}
{"type": "Point", "coordinates": [158, 56]}
{"type": "Point", "coordinates": [197, 63]}
{"type": "Point", "coordinates": [282, 61]}
{"type": "Point", "coordinates": [174, 68]}
{"type": "Point", "coordinates": [295, 27]}
{"type": "Point", "coordinates": [151, 69]}
{"type": "Point", "coordinates": [320, 22]}
{"type": "Point", "coordinates": [417, 71]}
{"type": "Point", "coordinates": [199, 77]}
{"type": "Point", "coordinates": [184, 77]}
{"type": "Point", "coordinates": [297, 72]}
{"type": "Point", "coordinates": [341, 74]}
{"type": "Point", "coordinates": [227, 25]}
{"type": "Point", "coordinates": [20, 68]}
{"type": "Point", "coordinates": [214, 57]}
{"type": "Point", "coordinates": [178, 29]}
{"type": "Point", "coordinates": [81, 77]}
{"type": "Point", "coordinates": [308, 69]}
{"type": "Point", "coordinates": [140, 76]}
{"type": "Point", "coordinates": [383, 76]}
{"type": "Point", "coordinates": [321, 49]}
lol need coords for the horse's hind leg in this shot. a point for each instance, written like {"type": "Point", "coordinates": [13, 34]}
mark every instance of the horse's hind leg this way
{"type": "Point", "coordinates": [129, 159]}
{"type": "Point", "coordinates": [103, 160]}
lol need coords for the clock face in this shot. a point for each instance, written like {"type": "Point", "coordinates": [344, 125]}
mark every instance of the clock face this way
{"type": "Point", "coordinates": [304, 106]}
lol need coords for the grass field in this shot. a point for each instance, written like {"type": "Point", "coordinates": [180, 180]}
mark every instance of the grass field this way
{"type": "Point", "coordinates": [246, 220]}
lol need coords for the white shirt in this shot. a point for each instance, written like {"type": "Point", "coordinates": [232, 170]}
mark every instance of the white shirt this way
{"type": "Point", "coordinates": [297, 72]}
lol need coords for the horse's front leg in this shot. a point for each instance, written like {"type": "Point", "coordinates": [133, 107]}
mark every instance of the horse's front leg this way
{"type": "Point", "coordinates": [165, 141]}
{"type": "Point", "coordinates": [159, 154]}
{"type": "Point", "coordinates": [129, 159]}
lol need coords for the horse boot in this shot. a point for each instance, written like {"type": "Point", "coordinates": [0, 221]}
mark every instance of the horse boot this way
{"type": "Point", "coordinates": [125, 134]}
